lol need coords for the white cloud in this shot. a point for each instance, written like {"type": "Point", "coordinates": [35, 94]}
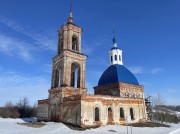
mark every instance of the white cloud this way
{"type": "Point", "coordinates": [86, 49]}
{"type": "Point", "coordinates": [11, 78]}
{"type": "Point", "coordinates": [98, 61]}
{"type": "Point", "coordinates": [100, 42]}
{"type": "Point", "coordinates": [145, 83]}
{"type": "Point", "coordinates": [156, 70]}
{"type": "Point", "coordinates": [142, 70]}
{"type": "Point", "coordinates": [46, 41]}
{"type": "Point", "coordinates": [136, 69]}
{"type": "Point", "coordinates": [90, 86]}
{"type": "Point", "coordinates": [173, 90]}
{"type": "Point", "coordinates": [11, 24]}
{"type": "Point", "coordinates": [172, 96]}
{"type": "Point", "coordinates": [13, 47]}
{"type": "Point", "coordinates": [47, 68]}
{"type": "Point", "coordinates": [14, 86]}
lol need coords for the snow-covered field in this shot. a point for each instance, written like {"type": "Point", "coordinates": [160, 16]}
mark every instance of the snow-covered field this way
{"type": "Point", "coordinates": [10, 126]}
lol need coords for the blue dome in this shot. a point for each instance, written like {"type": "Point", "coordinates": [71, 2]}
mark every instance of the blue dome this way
{"type": "Point", "coordinates": [117, 73]}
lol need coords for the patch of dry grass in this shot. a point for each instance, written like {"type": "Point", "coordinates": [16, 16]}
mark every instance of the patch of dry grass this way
{"type": "Point", "coordinates": [149, 124]}
{"type": "Point", "coordinates": [73, 127]}
{"type": "Point", "coordinates": [32, 124]}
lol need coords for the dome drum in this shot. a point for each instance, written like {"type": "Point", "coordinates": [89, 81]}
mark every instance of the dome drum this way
{"type": "Point", "coordinates": [120, 89]}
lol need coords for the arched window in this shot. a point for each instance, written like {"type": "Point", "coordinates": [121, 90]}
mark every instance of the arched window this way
{"type": "Point", "coordinates": [132, 113]}
{"type": "Point", "coordinates": [56, 77]}
{"type": "Point", "coordinates": [61, 42]}
{"type": "Point", "coordinates": [60, 47]}
{"type": "Point", "coordinates": [119, 57]}
{"type": "Point", "coordinates": [75, 75]}
{"type": "Point", "coordinates": [59, 81]}
{"type": "Point", "coordinates": [121, 113]}
{"type": "Point", "coordinates": [96, 113]}
{"type": "Point", "coordinates": [115, 57]}
{"type": "Point", "coordinates": [74, 43]}
{"type": "Point", "coordinates": [110, 115]}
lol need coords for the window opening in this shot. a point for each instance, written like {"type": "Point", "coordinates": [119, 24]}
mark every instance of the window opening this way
{"type": "Point", "coordinates": [115, 57]}
{"type": "Point", "coordinates": [74, 44]}
{"type": "Point", "coordinates": [97, 114]}
{"type": "Point", "coordinates": [132, 113]}
{"type": "Point", "coordinates": [75, 75]}
{"type": "Point", "coordinates": [121, 112]}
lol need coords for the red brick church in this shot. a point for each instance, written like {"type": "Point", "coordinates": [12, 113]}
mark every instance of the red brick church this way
{"type": "Point", "coordinates": [117, 95]}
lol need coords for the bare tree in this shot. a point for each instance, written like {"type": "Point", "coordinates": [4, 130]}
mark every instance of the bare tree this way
{"type": "Point", "coordinates": [157, 101]}
{"type": "Point", "coordinates": [23, 107]}
{"type": "Point", "coordinates": [34, 110]}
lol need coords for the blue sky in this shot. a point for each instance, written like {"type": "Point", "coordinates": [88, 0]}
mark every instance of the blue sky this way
{"type": "Point", "coordinates": [148, 32]}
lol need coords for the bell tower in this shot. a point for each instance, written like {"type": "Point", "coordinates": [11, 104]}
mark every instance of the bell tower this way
{"type": "Point", "coordinates": [69, 65]}
{"type": "Point", "coordinates": [69, 36]}
{"type": "Point", "coordinates": [68, 71]}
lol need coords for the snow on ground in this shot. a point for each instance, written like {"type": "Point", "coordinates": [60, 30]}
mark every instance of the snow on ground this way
{"type": "Point", "coordinates": [10, 126]}
{"type": "Point", "coordinates": [177, 113]}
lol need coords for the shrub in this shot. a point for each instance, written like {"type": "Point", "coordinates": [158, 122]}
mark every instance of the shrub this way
{"type": "Point", "coordinates": [21, 109]}
{"type": "Point", "coordinates": [9, 111]}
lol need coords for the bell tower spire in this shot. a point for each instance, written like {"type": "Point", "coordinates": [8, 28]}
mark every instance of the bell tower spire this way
{"type": "Point", "coordinates": [71, 11]}
{"type": "Point", "coordinates": [114, 42]}
{"type": "Point", "coordinates": [115, 54]}
{"type": "Point", "coordinates": [114, 39]}
{"type": "Point", "coordinates": [70, 19]}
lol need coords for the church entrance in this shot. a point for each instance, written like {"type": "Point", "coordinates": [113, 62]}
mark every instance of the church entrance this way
{"type": "Point", "coordinates": [110, 115]}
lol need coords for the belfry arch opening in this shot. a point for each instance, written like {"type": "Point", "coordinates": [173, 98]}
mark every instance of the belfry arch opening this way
{"type": "Point", "coordinates": [75, 75]}
{"type": "Point", "coordinates": [74, 43]}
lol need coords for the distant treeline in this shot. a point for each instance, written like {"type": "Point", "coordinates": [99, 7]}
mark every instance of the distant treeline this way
{"type": "Point", "coordinates": [171, 107]}
{"type": "Point", "coordinates": [165, 113]}
{"type": "Point", "coordinates": [18, 110]}
{"type": "Point", "coordinates": [162, 117]}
